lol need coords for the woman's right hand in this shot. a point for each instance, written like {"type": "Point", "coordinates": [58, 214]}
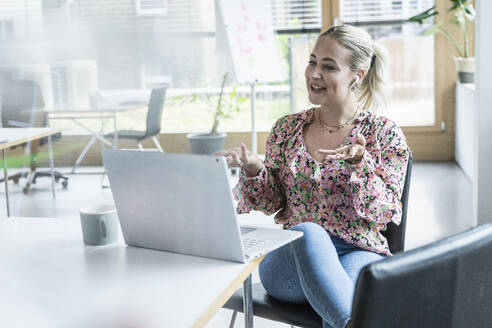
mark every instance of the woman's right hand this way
{"type": "Point", "coordinates": [242, 157]}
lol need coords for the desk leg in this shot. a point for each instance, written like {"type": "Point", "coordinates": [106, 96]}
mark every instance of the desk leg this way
{"type": "Point", "coordinates": [6, 180]}
{"type": "Point", "coordinates": [248, 303]}
{"type": "Point", "coordinates": [52, 166]}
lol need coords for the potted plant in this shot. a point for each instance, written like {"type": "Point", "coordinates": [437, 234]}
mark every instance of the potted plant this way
{"type": "Point", "coordinates": [227, 104]}
{"type": "Point", "coordinates": [464, 13]}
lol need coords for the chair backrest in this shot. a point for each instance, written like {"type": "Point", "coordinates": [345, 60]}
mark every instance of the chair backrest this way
{"type": "Point", "coordinates": [395, 234]}
{"type": "Point", "coordinates": [154, 115]}
{"type": "Point", "coordinates": [444, 284]}
{"type": "Point", "coordinates": [18, 98]}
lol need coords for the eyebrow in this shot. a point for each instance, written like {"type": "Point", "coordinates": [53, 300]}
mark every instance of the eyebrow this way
{"type": "Point", "coordinates": [326, 58]}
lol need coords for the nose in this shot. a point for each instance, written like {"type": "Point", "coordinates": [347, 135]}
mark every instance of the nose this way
{"type": "Point", "coordinates": [316, 74]}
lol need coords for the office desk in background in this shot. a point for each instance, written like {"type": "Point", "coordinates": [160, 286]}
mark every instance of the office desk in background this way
{"type": "Point", "coordinates": [103, 115]}
{"type": "Point", "coordinates": [48, 278]}
{"type": "Point", "coordinates": [19, 136]}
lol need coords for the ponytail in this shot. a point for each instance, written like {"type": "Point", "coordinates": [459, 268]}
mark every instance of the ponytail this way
{"type": "Point", "coordinates": [373, 92]}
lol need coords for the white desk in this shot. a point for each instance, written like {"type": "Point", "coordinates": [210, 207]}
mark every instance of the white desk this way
{"type": "Point", "coordinates": [18, 136]}
{"type": "Point", "coordinates": [48, 278]}
{"type": "Point", "coordinates": [102, 114]}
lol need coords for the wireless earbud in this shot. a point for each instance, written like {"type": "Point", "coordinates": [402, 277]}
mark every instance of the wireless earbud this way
{"type": "Point", "coordinates": [357, 79]}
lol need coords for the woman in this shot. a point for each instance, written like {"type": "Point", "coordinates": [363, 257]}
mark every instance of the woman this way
{"type": "Point", "coordinates": [335, 172]}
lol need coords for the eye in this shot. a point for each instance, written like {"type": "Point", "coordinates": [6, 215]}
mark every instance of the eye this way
{"type": "Point", "coordinates": [312, 63]}
{"type": "Point", "coordinates": [328, 67]}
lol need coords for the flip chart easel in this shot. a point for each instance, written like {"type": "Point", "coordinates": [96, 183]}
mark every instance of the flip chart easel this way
{"type": "Point", "coordinates": [255, 57]}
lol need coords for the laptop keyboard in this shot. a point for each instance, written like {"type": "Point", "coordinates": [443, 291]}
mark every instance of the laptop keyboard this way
{"type": "Point", "coordinates": [249, 243]}
{"type": "Point", "coordinates": [245, 230]}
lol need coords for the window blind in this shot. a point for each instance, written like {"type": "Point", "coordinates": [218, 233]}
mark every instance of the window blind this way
{"type": "Point", "coordinates": [172, 15]}
{"type": "Point", "coordinates": [151, 7]}
{"type": "Point", "coordinates": [364, 11]}
{"type": "Point", "coordinates": [196, 15]}
{"type": "Point", "coordinates": [296, 15]}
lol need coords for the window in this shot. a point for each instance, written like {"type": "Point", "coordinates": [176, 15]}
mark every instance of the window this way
{"type": "Point", "coordinates": [385, 11]}
{"type": "Point", "coordinates": [138, 44]}
{"type": "Point", "coordinates": [6, 28]}
{"type": "Point", "coordinates": [296, 15]}
{"type": "Point", "coordinates": [412, 102]}
{"type": "Point", "coordinates": [151, 7]}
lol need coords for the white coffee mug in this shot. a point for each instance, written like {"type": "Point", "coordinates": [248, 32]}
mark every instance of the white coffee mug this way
{"type": "Point", "coordinates": [99, 224]}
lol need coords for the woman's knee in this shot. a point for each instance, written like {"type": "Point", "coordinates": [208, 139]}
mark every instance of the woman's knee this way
{"type": "Point", "coordinates": [309, 228]}
{"type": "Point", "coordinates": [313, 234]}
{"type": "Point", "coordinates": [354, 262]}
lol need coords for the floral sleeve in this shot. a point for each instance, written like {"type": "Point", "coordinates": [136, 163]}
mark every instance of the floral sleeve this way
{"type": "Point", "coordinates": [264, 192]}
{"type": "Point", "coordinates": [377, 180]}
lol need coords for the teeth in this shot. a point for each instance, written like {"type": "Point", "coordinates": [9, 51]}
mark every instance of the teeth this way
{"type": "Point", "coordinates": [317, 87]}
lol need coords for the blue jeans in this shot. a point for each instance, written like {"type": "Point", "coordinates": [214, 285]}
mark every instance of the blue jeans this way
{"type": "Point", "coordinates": [319, 269]}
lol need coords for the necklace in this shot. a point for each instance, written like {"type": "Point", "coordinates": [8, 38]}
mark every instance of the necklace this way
{"type": "Point", "coordinates": [335, 128]}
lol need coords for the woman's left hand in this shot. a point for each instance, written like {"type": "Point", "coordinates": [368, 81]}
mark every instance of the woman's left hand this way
{"type": "Point", "coordinates": [351, 153]}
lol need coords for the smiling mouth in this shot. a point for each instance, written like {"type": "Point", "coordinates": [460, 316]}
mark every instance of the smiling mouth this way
{"type": "Point", "coordinates": [316, 87]}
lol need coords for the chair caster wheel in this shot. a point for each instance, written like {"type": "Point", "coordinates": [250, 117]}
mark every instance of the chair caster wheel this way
{"type": "Point", "coordinates": [26, 190]}
{"type": "Point", "coordinates": [65, 184]}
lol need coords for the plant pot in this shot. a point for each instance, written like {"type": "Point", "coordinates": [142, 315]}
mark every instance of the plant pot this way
{"type": "Point", "coordinates": [465, 67]}
{"type": "Point", "coordinates": [205, 143]}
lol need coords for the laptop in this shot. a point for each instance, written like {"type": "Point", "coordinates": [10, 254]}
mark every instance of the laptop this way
{"type": "Point", "coordinates": [183, 203]}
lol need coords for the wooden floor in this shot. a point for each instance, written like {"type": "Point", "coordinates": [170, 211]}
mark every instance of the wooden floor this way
{"type": "Point", "coordinates": [440, 205]}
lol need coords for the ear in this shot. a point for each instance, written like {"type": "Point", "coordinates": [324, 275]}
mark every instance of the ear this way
{"type": "Point", "coordinates": [358, 77]}
{"type": "Point", "coordinates": [361, 73]}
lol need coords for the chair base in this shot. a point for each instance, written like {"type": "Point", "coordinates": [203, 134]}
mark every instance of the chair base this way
{"type": "Point", "coordinates": [33, 176]}
{"type": "Point", "coordinates": [156, 143]}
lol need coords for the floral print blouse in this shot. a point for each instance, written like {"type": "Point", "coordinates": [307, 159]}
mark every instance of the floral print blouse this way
{"type": "Point", "coordinates": [353, 202]}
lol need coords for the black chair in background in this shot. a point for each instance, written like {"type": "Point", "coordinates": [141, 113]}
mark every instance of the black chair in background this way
{"type": "Point", "coordinates": [303, 315]}
{"type": "Point", "coordinates": [153, 121]}
{"type": "Point", "coordinates": [22, 104]}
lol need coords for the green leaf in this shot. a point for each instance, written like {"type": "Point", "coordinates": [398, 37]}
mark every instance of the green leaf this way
{"type": "Point", "coordinates": [423, 16]}
{"type": "Point", "coordinates": [470, 12]}
{"type": "Point", "coordinates": [455, 22]}
{"type": "Point", "coordinates": [458, 3]}
{"type": "Point", "coordinates": [433, 30]}
{"type": "Point", "coordinates": [460, 18]}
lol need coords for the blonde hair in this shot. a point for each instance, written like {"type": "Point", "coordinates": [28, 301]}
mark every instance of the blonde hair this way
{"type": "Point", "coordinates": [373, 90]}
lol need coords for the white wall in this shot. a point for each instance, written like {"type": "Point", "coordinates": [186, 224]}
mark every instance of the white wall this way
{"type": "Point", "coordinates": [482, 186]}
{"type": "Point", "coordinates": [465, 129]}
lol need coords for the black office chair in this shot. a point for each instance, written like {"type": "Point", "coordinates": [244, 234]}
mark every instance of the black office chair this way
{"type": "Point", "coordinates": [446, 284]}
{"type": "Point", "coordinates": [20, 100]}
{"type": "Point", "coordinates": [303, 315]}
{"type": "Point", "coordinates": [153, 124]}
